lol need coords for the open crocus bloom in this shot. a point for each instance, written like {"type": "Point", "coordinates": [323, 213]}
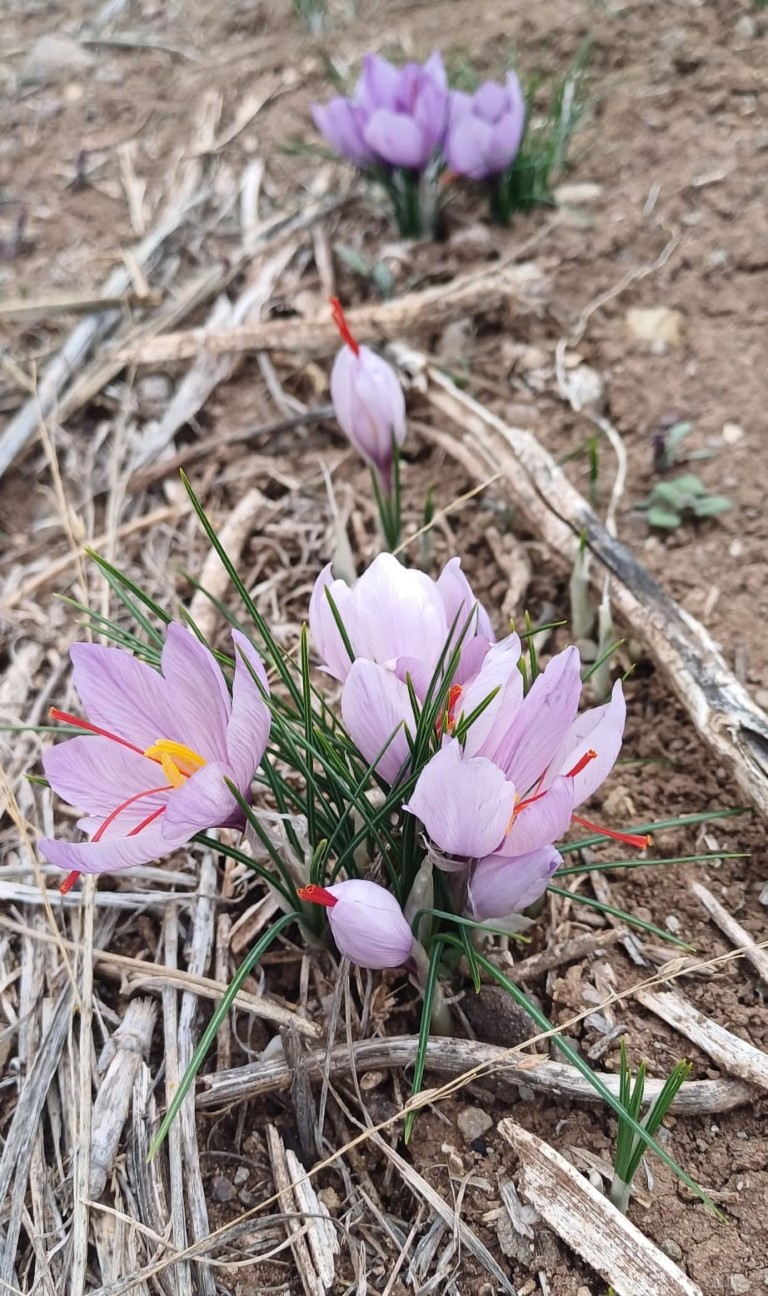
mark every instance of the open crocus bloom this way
{"type": "Point", "coordinates": [151, 773]}
{"type": "Point", "coordinates": [500, 798]}
{"type": "Point", "coordinates": [399, 623]}
{"type": "Point", "coordinates": [397, 117]}
{"type": "Point", "coordinates": [366, 922]}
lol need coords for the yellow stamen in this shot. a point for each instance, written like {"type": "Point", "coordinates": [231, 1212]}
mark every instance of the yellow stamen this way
{"type": "Point", "coordinates": [176, 759]}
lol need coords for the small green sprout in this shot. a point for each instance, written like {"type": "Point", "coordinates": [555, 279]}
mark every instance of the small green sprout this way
{"type": "Point", "coordinates": [669, 501]}
{"type": "Point", "coordinates": [629, 1148]}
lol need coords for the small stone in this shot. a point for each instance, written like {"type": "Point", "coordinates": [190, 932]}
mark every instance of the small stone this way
{"type": "Point", "coordinates": [154, 392]}
{"type": "Point", "coordinates": [473, 1122]}
{"type": "Point", "coordinates": [586, 389]}
{"type": "Point", "coordinates": [56, 58]}
{"type": "Point", "coordinates": [761, 698]}
{"type": "Point", "coordinates": [576, 194]}
{"type": "Point", "coordinates": [672, 923]}
{"type": "Point", "coordinates": [241, 1175]}
{"type": "Point", "coordinates": [746, 27]}
{"type": "Point", "coordinates": [222, 1190]}
{"type": "Point", "coordinates": [655, 324]}
{"type": "Point", "coordinates": [732, 433]}
{"type": "Point", "coordinates": [330, 1198]}
{"type": "Point", "coordinates": [672, 1249]}
{"type": "Point", "coordinates": [739, 1284]}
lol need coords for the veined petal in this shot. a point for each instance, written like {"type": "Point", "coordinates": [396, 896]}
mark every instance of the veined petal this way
{"type": "Point", "coordinates": [198, 691]}
{"type": "Point", "coordinates": [465, 803]}
{"type": "Point", "coordinates": [500, 886]}
{"type": "Point", "coordinates": [112, 854]}
{"type": "Point", "coordinates": [95, 774]}
{"type": "Point", "coordinates": [397, 613]}
{"type": "Point", "coordinates": [376, 707]}
{"type": "Point", "coordinates": [203, 801]}
{"type": "Point", "coordinates": [249, 723]}
{"type": "Point", "coordinates": [459, 602]}
{"type": "Point", "coordinates": [123, 695]}
{"type": "Point", "coordinates": [542, 720]}
{"type": "Point", "coordinates": [323, 629]}
{"type": "Point", "coordinates": [543, 821]}
{"type": "Point", "coordinates": [599, 729]}
{"type": "Point", "coordinates": [498, 672]}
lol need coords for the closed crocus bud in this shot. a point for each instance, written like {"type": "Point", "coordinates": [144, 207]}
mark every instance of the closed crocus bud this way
{"type": "Point", "coordinates": [485, 129]}
{"type": "Point", "coordinates": [368, 401]}
{"type": "Point", "coordinates": [366, 922]}
{"type": "Point", "coordinates": [341, 123]}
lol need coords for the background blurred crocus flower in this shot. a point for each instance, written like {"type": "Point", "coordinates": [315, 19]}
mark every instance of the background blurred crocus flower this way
{"type": "Point", "coordinates": [398, 622]}
{"type": "Point", "coordinates": [368, 402]}
{"type": "Point", "coordinates": [151, 772]}
{"type": "Point", "coordinates": [366, 922]}
{"type": "Point", "coordinates": [513, 793]}
{"type": "Point", "coordinates": [485, 129]}
{"type": "Point", "coordinates": [397, 117]}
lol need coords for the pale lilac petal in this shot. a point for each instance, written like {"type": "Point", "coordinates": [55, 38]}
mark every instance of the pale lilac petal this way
{"type": "Point", "coordinates": [203, 801]}
{"type": "Point", "coordinates": [96, 775]}
{"type": "Point", "coordinates": [435, 70]}
{"type": "Point", "coordinates": [339, 122]}
{"type": "Point", "coordinates": [397, 613]}
{"type": "Point", "coordinates": [504, 143]}
{"type": "Point", "coordinates": [599, 729]}
{"type": "Point", "coordinates": [199, 693]}
{"type": "Point", "coordinates": [112, 854]}
{"type": "Point", "coordinates": [543, 821]}
{"type": "Point", "coordinates": [376, 707]}
{"type": "Point", "coordinates": [122, 694]}
{"type": "Point", "coordinates": [459, 602]}
{"type": "Point", "coordinates": [459, 105]}
{"type": "Point", "coordinates": [500, 886]}
{"type": "Point", "coordinates": [491, 101]}
{"type": "Point", "coordinates": [369, 405]}
{"type": "Point", "coordinates": [465, 803]}
{"type": "Point", "coordinates": [368, 925]}
{"type": "Point", "coordinates": [542, 721]}
{"type": "Point", "coordinates": [379, 83]}
{"type": "Point", "coordinates": [396, 138]}
{"type": "Point", "coordinates": [499, 672]}
{"type": "Point", "coordinates": [323, 630]}
{"type": "Point", "coordinates": [418, 671]}
{"type": "Point", "coordinates": [430, 114]}
{"type": "Point", "coordinates": [466, 147]}
{"type": "Point", "coordinates": [249, 724]}
{"type": "Point", "coordinates": [473, 654]}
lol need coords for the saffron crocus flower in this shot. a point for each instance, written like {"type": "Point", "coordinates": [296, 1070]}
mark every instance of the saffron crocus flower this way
{"type": "Point", "coordinates": [485, 129]}
{"type": "Point", "coordinates": [500, 886]}
{"type": "Point", "coordinates": [368, 402]}
{"type": "Point", "coordinates": [151, 771]}
{"type": "Point", "coordinates": [397, 117]}
{"type": "Point", "coordinates": [399, 624]}
{"type": "Point", "coordinates": [366, 922]}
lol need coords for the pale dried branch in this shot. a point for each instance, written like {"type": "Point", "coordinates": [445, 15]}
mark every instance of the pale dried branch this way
{"type": "Point", "coordinates": [590, 1224]}
{"type": "Point", "coordinates": [121, 1058]}
{"type": "Point", "coordinates": [733, 1054]}
{"type": "Point", "coordinates": [737, 934]}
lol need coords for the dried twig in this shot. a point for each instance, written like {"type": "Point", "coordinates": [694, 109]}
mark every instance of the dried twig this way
{"type": "Point", "coordinates": [590, 1224]}
{"type": "Point", "coordinates": [733, 1054]}
{"type": "Point", "coordinates": [733, 930]}
{"type": "Point", "coordinates": [121, 1058]}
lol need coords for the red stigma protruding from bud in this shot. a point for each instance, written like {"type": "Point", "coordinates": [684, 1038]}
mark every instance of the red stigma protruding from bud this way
{"type": "Point", "coordinates": [340, 321]}
{"type": "Point", "coordinates": [317, 895]}
{"type": "Point", "coordinates": [68, 883]}
{"type": "Point", "coordinates": [583, 763]}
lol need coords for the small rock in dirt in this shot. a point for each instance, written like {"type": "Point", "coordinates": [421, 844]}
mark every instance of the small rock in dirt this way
{"type": "Point", "coordinates": [153, 392]}
{"type": "Point", "coordinates": [586, 389]}
{"type": "Point", "coordinates": [473, 1122]}
{"type": "Point", "coordinates": [746, 27]}
{"type": "Point", "coordinates": [739, 1284]}
{"type": "Point", "coordinates": [222, 1190]}
{"type": "Point", "coordinates": [763, 897]}
{"type": "Point", "coordinates": [672, 1249]}
{"type": "Point", "coordinates": [761, 698]}
{"type": "Point", "coordinates": [241, 1175]}
{"type": "Point", "coordinates": [577, 193]}
{"type": "Point", "coordinates": [732, 433]}
{"type": "Point", "coordinates": [330, 1198]}
{"type": "Point", "coordinates": [56, 58]}
{"type": "Point", "coordinates": [655, 324]}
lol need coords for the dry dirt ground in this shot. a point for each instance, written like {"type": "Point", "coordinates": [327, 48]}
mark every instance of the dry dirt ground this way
{"type": "Point", "coordinates": [670, 213]}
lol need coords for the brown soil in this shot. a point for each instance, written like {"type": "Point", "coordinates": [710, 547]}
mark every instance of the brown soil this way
{"type": "Point", "coordinates": [676, 147]}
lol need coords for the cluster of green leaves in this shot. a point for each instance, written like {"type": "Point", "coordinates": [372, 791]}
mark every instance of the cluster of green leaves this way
{"type": "Point", "coordinates": [670, 502]}
{"type": "Point", "coordinates": [629, 1148]}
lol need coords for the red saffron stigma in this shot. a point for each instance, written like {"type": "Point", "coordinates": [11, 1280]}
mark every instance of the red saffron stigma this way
{"type": "Point", "coordinates": [68, 882]}
{"type": "Point", "coordinates": [146, 822]}
{"type": "Point", "coordinates": [340, 321]}
{"type": "Point", "coordinates": [583, 763]}
{"type": "Point", "coordinates": [64, 717]}
{"type": "Point", "coordinates": [138, 796]}
{"type": "Point", "coordinates": [631, 839]}
{"type": "Point", "coordinates": [317, 895]}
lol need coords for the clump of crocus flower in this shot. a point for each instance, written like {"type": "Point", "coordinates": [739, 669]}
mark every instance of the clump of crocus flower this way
{"type": "Point", "coordinates": [370, 408]}
{"type": "Point", "coordinates": [402, 628]}
{"type": "Point", "coordinates": [394, 126]}
{"type": "Point", "coordinates": [484, 135]}
{"type": "Point", "coordinates": [160, 749]}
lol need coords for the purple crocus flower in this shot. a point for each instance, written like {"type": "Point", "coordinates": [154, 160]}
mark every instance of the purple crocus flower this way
{"type": "Point", "coordinates": [517, 782]}
{"type": "Point", "coordinates": [366, 922]}
{"type": "Point", "coordinates": [368, 401]}
{"type": "Point", "coordinates": [151, 772]}
{"type": "Point", "coordinates": [398, 622]}
{"type": "Point", "coordinates": [397, 117]}
{"type": "Point", "coordinates": [485, 129]}
{"type": "Point", "coordinates": [500, 886]}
